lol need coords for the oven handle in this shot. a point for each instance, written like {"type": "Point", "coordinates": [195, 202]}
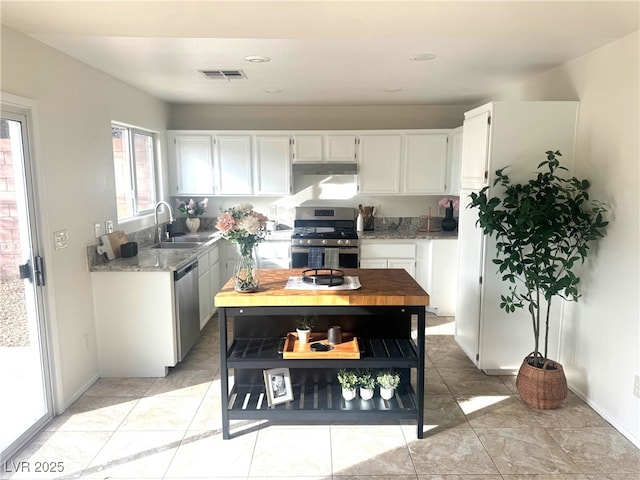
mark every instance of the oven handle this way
{"type": "Point", "coordinates": [341, 250]}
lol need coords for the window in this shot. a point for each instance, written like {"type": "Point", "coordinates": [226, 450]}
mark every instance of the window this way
{"type": "Point", "coordinates": [133, 163]}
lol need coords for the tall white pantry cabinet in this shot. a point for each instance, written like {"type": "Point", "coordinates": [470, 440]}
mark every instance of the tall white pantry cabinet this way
{"type": "Point", "coordinates": [496, 135]}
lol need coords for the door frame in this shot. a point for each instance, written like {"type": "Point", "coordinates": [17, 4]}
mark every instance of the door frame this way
{"type": "Point", "coordinates": [38, 232]}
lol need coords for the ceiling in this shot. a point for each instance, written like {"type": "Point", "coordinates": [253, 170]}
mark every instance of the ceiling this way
{"type": "Point", "coordinates": [323, 52]}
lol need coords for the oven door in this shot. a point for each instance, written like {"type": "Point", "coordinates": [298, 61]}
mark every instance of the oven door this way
{"type": "Point", "coordinates": [347, 257]}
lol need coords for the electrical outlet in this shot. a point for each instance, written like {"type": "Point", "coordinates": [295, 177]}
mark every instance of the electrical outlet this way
{"type": "Point", "coordinates": [96, 230]}
{"type": "Point", "coordinates": [60, 239]}
{"type": "Point", "coordinates": [109, 226]}
{"type": "Point", "coordinates": [636, 386]}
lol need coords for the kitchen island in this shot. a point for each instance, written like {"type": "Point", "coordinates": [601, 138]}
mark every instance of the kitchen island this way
{"type": "Point", "coordinates": [379, 314]}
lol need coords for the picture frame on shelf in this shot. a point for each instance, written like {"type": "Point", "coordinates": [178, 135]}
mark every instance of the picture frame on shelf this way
{"type": "Point", "coordinates": [277, 382]}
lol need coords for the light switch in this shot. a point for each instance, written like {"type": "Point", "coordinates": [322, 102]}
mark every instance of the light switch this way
{"type": "Point", "coordinates": [60, 239]}
{"type": "Point", "coordinates": [96, 230]}
{"type": "Point", "coordinates": [109, 226]}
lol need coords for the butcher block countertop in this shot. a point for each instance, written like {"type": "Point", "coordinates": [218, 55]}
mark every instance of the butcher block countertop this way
{"type": "Point", "coordinates": [380, 287]}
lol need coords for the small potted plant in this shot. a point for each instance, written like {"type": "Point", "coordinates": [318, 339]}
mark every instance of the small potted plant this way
{"type": "Point", "coordinates": [348, 380]}
{"type": "Point", "coordinates": [367, 384]}
{"type": "Point", "coordinates": [304, 325]}
{"type": "Point", "coordinates": [388, 381]}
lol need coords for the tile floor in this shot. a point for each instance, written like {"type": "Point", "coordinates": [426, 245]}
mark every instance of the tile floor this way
{"type": "Point", "coordinates": [476, 429]}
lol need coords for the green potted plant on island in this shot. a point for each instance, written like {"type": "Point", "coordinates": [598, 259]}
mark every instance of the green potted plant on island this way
{"type": "Point", "coordinates": [367, 384]}
{"type": "Point", "coordinates": [388, 380]}
{"type": "Point", "coordinates": [348, 380]}
{"type": "Point", "coordinates": [304, 325]}
{"type": "Point", "coordinates": [543, 231]}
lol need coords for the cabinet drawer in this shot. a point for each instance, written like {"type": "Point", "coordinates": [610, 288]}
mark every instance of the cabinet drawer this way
{"type": "Point", "coordinates": [388, 250]}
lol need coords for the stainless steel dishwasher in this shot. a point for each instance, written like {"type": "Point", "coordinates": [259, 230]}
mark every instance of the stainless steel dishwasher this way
{"type": "Point", "coordinates": [187, 307]}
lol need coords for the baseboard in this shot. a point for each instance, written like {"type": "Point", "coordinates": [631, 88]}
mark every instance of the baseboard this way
{"type": "Point", "coordinates": [78, 393]}
{"type": "Point", "coordinates": [605, 415]}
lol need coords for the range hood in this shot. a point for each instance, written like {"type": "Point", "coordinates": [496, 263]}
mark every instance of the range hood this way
{"type": "Point", "coordinates": [324, 168]}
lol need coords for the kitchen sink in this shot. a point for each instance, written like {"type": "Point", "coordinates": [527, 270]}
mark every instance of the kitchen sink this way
{"type": "Point", "coordinates": [184, 239]}
{"type": "Point", "coordinates": [177, 245]}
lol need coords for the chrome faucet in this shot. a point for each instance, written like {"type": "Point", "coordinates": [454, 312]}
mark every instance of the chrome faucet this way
{"type": "Point", "coordinates": [171, 218]}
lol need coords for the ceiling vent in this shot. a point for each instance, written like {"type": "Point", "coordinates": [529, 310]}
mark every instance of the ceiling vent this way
{"type": "Point", "coordinates": [224, 74]}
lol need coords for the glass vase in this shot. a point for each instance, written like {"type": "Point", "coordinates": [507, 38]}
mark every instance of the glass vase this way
{"type": "Point", "coordinates": [246, 270]}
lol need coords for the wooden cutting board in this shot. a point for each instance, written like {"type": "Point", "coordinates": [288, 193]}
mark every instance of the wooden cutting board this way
{"type": "Point", "coordinates": [111, 244]}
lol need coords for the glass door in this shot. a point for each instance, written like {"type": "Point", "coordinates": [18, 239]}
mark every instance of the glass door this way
{"type": "Point", "coordinates": [25, 404]}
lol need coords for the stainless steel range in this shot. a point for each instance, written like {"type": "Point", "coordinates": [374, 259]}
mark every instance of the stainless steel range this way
{"type": "Point", "coordinates": [324, 237]}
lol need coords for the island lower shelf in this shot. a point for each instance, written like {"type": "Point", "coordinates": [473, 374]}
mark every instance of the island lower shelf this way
{"type": "Point", "coordinates": [320, 401]}
{"type": "Point", "coordinates": [374, 352]}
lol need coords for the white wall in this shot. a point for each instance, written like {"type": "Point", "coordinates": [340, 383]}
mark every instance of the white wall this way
{"type": "Point", "coordinates": [601, 333]}
{"type": "Point", "coordinates": [75, 106]}
{"type": "Point", "coordinates": [314, 117]}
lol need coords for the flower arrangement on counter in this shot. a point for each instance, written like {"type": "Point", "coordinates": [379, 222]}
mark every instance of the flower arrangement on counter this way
{"type": "Point", "coordinates": [193, 209]}
{"type": "Point", "coordinates": [449, 202]}
{"type": "Point", "coordinates": [245, 227]}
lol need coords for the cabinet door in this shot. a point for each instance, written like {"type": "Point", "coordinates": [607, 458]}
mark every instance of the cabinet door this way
{"type": "Point", "coordinates": [408, 264]}
{"type": "Point", "coordinates": [340, 148]}
{"type": "Point", "coordinates": [273, 165]}
{"type": "Point", "coordinates": [379, 164]}
{"type": "Point", "coordinates": [443, 290]}
{"type": "Point", "coordinates": [191, 164]}
{"type": "Point", "coordinates": [214, 284]}
{"type": "Point", "coordinates": [373, 263]}
{"type": "Point", "coordinates": [455, 162]}
{"type": "Point", "coordinates": [424, 164]}
{"type": "Point", "coordinates": [204, 296]}
{"type": "Point", "coordinates": [470, 251]}
{"type": "Point", "coordinates": [233, 165]}
{"type": "Point", "coordinates": [307, 148]}
{"type": "Point", "coordinates": [475, 151]}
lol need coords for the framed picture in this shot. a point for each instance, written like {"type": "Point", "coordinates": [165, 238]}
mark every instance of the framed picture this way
{"type": "Point", "coordinates": [278, 385]}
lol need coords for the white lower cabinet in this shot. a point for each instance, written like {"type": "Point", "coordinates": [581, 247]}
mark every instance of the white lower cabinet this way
{"type": "Point", "coordinates": [274, 254]}
{"type": "Point", "coordinates": [135, 323]}
{"type": "Point", "coordinates": [208, 282]}
{"type": "Point", "coordinates": [432, 262]}
{"type": "Point", "coordinates": [442, 276]}
{"type": "Point", "coordinates": [388, 254]}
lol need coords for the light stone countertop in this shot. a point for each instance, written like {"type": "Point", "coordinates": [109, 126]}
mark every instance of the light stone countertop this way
{"type": "Point", "coordinates": [168, 259]}
{"type": "Point", "coordinates": [407, 234]}
{"type": "Point", "coordinates": [158, 259]}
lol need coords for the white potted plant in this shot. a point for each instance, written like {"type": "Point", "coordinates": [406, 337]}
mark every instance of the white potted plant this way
{"type": "Point", "coordinates": [304, 325]}
{"type": "Point", "coordinates": [388, 381]}
{"type": "Point", "coordinates": [348, 381]}
{"type": "Point", "coordinates": [367, 384]}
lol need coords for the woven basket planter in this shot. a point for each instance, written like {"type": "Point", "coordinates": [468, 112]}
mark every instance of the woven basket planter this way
{"type": "Point", "coordinates": [543, 388]}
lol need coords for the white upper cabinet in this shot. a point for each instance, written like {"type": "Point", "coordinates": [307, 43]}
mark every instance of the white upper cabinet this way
{"type": "Point", "coordinates": [191, 163]}
{"type": "Point", "coordinates": [379, 163]}
{"type": "Point", "coordinates": [455, 161]}
{"type": "Point", "coordinates": [233, 165]}
{"type": "Point", "coordinates": [307, 148]}
{"type": "Point", "coordinates": [340, 147]}
{"type": "Point", "coordinates": [475, 149]}
{"type": "Point", "coordinates": [424, 164]}
{"type": "Point", "coordinates": [314, 147]}
{"type": "Point", "coordinates": [273, 165]}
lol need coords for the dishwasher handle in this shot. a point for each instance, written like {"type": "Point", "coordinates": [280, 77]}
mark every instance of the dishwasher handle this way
{"type": "Point", "coordinates": [181, 272]}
